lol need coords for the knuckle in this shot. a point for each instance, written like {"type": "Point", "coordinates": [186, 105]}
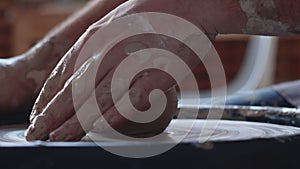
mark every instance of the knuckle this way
{"type": "Point", "coordinates": [105, 87]}
{"type": "Point", "coordinates": [43, 122]}
{"type": "Point", "coordinates": [102, 102]}
{"type": "Point", "coordinates": [65, 95]}
{"type": "Point", "coordinates": [137, 94]}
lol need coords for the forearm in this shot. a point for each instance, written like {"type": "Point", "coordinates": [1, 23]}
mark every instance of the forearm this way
{"type": "Point", "coordinates": [61, 38]}
{"type": "Point", "coordinates": [258, 17]}
{"type": "Point", "coordinates": [265, 17]}
{"type": "Point", "coordinates": [46, 54]}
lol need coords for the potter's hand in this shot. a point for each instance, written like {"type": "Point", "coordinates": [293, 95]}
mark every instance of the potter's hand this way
{"type": "Point", "coordinates": [58, 120]}
{"type": "Point", "coordinates": [54, 116]}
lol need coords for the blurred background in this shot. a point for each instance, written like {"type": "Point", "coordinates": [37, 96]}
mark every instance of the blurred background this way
{"type": "Point", "coordinates": [24, 22]}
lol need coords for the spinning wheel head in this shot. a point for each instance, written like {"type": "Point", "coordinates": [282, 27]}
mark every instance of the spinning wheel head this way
{"type": "Point", "coordinates": [226, 131]}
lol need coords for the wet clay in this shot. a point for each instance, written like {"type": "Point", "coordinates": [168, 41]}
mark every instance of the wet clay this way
{"type": "Point", "coordinates": [262, 17]}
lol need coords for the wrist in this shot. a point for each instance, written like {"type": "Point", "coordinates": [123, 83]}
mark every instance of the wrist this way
{"type": "Point", "coordinates": [17, 91]}
{"type": "Point", "coordinates": [179, 8]}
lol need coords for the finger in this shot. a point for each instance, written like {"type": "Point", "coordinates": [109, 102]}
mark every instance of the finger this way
{"type": "Point", "coordinates": [53, 115]}
{"type": "Point", "coordinates": [88, 113]}
{"type": "Point", "coordinates": [50, 118]}
{"type": "Point", "coordinates": [74, 129]}
{"type": "Point", "coordinates": [139, 93]}
{"type": "Point", "coordinates": [65, 69]}
{"type": "Point", "coordinates": [62, 72]}
{"type": "Point", "coordinates": [71, 130]}
{"type": "Point", "coordinates": [129, 128]}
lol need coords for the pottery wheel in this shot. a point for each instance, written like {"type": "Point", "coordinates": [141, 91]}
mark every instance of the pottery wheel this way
{"type": "Point", "coordinates": [225, 131]}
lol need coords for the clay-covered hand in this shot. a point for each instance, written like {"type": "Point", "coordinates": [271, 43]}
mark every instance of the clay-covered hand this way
{"type": "Point", "coordinates": [57, 119]}
{"type": "Point", "coordinates": [21, 79]}
{"type": "Point", "coordinates": [18, 86]}
{"type": "Point", "coordinates": [54, 115]}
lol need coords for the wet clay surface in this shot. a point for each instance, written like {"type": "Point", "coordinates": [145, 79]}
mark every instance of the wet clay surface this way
{"type": "Point", "coordinates": [225, 131]}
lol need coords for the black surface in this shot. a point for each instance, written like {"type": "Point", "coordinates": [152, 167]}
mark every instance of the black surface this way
{"type": "Point", "coordinates": [254, 154]}
{"type": "Point", "coordinates": [17, 117]}
{"type": "Point", "coordinates": [264, 154]}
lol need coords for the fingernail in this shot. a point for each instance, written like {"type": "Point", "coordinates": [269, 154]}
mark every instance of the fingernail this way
{"type": "Point", "coordinates": [29, 133]}
{"type": "Point", "coordinates": [36, 131]}
{"type": "Point", "coordinates": [33, 133]}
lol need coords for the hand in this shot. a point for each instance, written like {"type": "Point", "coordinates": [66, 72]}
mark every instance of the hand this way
{"type": "Point", "coordinates": [54, 116]}
{"type": "Point", "coordinates": [16, 90]}
{"type": "Point", "coordinates": [21, 79]}
{"type": "Point", "coordinates": [64, 125]}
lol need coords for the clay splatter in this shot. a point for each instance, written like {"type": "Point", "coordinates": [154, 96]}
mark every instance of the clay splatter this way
{"type": "Point", "coordinates": [261, 24]}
